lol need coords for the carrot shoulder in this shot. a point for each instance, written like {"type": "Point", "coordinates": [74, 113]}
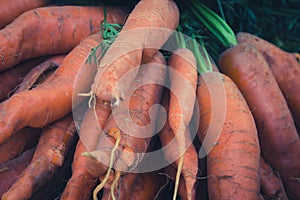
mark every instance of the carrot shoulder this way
{"type": "Point", "coordinates": [279, 140]}
{"type": "Point", "coordinates": [51, 30]}
{"type": "Point", "coordinates": [9, 10]}
{"type": "Point", "coordinates": [233, 159]}
{"type": "Point", "coordinates": [146, 29]}
{"type": "Point", "coordinates": [285, 67]}
{"type": "Point", "coordinates": [20, 110]}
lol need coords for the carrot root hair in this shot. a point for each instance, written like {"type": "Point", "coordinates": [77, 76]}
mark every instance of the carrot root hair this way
{"type": "Point", "coordinates": [114, 184]}
{"type": "Point", "coordinates": [114, 132]}
{"type": "Point", "coordinates": [178, 173]}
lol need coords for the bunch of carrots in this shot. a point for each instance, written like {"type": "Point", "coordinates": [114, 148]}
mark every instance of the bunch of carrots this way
{"type": "Point", "coordinates": [226, 131]}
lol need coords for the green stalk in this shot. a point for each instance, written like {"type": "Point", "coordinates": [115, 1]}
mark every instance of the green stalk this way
{"type": "Point", "coordinates": [214, 23]}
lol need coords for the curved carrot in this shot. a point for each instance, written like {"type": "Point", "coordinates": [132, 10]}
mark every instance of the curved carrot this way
{"type": "Point", "coordinates": [271, 186]}
{"type": "Point", "coordinates": [233, 161]}
{"type": "Point", "coordinates": [51, 30]}
{"type": "Point", "coordinates": [21, 110]}
{"type": "Point", "coordinates": [23, 140]}
{"type": "Point", "coordinates": [181, 109]}
{"type": "Point", "coordinates": [138, 40]}
{"type": "Point", "coordinates": [279, 140]}
{"type": "Point", "coordinates": [285, 67]}
{"type": "Point", "coordinates": [117, 149]}
{"type": "Point", "coordinates": [82, 181]}
{"type": "Point", "coordinates": [9, 10]}
{"type": "Point", "coordinates": [11, 170]}
{"type": "Point", "coordinates": [49, 155]}
{"type": "Point", "coordinates": [10, 78]}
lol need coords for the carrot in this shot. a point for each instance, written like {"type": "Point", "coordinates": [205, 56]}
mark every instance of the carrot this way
{"type": "Point", "coordinates": [21, 110]}
{"type": "Point", "coordinates": [285, 67]}
{"type": "Point", "coordinates": [146, 29]}
{"type": "Point", "coordinates": [9, 10]}
{"type": "Point", "coordinates": [49, 155]}
{"type": "Point", "coordinates": [82, 181]}
{"type": "Point", "coordinates": [38, 73]}
{"type": "Point", "coordinates": [51, 30]}
{"type": "Point", "coordinates": [11, 170]}
{"type": "Point", "coordinates": [10, 78]}
{"type": "Point", "coordinates": [233, 162]}
{"type": "Point", "coordinates": [181, 109]}
{"type": "Point", "coordinates": [23, 140]}
{"type": "Point", "coordinates": [186, 186]}
{"type": "Point", "coordinates": [270, 184]}
{"type": "Point", "coordinates": [279, 141]}
{"type": "Point", "coordinates": [131, 116]}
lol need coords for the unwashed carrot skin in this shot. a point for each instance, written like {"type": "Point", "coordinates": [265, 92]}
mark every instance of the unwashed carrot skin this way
{"type": "Point", "coordinates": [51, 30]}
{"type": "Point", "coordinates": [138, 42]}
{"type": "Point", "coordinates": [285, 67]}
{"type": "Point", "coordinates": [12, 169]}
{"type": "Point", "coordinates": [12, 77]}
{"type": "Point", "coordinates": [23, 140]}
{"type": "Point", "coordinates": [270, 184]}
{"type": "Point", "coordinates": [54, 96]}
{"type": "Point", "coordinates": [49, 155]}
{"type": "Point", "coordinates": [279, 140]}
{"type": "Point", "coordinates": [233, 162]}
{"type": "Point", "coordinates": [9, 10]}
{"type": "Point", "coordinates": [82, 182]}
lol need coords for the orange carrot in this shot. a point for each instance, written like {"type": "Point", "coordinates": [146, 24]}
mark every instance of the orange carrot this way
{"type": "Point", "coordinates": [49, 155]}
{"type": "Point", "coordinates": [23, 140]}
{"type": "Point", "coordinates": [233, 161]}
{"type": "Point", "coordinates": [9, 10]}
{"type": "Point", "coordinates": [82, 181]}
{"type": "Point", "coordinates": [279, 140]}
{"type": "Point", "coordinates": [131, 116]}
{"type": "Point", "coordinates": [10, 78]}
{"type": "Point", "coordinates": [139, 40]}
{"type": "Point", "coordinates": [186, 184]}
{"type": "Point", "coordinates": [54, 96]}
{"type": "Point", "coordinates": [38, 73]}
{"type": "Point", "coordinates": [181, 109]}
{"type": "Point", "coordinates": [51, 30]}
{"type": "Point", "coordinates": [270, 184]}
{"type": "Point", "coordinates": [285, 67]}
{"type": "Point", "coordinates": [11, 170]}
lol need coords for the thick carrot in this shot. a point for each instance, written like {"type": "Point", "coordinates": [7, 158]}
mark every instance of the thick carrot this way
{"type": "Point", "coordinates": [9, 10]}
{"type": "Point", "coordinates": [11, 170]}
{"type": "Point", "coordinates": [279, 140]}
{"type": "Point", "coordinates": [10, 78]}
{"type": "Point", "coordinates": [51, 30]}
{"type": "Point", "coordinates": [270, 184]}
{"type": "Point", "coordinates": [146, 29]}
{"type": "Point", "coordinates": [38, 73]}
{"type": "Point", "coordinates": [233, 161]}
{"type": "Point", "coordinates": [82, 182]}
{"type": "Point", "coordinates": [23, 140]}
{"type": "Point", "coordinates": [49, 155]}
{"type": "Point", "coordinates": [129, 128]}
{"type": "Point", "coordinates": [183, 74]}
{"type": "Point", "coordinates": [285, 67]}
{"type": "Point", "coordinates": [53, 97]}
